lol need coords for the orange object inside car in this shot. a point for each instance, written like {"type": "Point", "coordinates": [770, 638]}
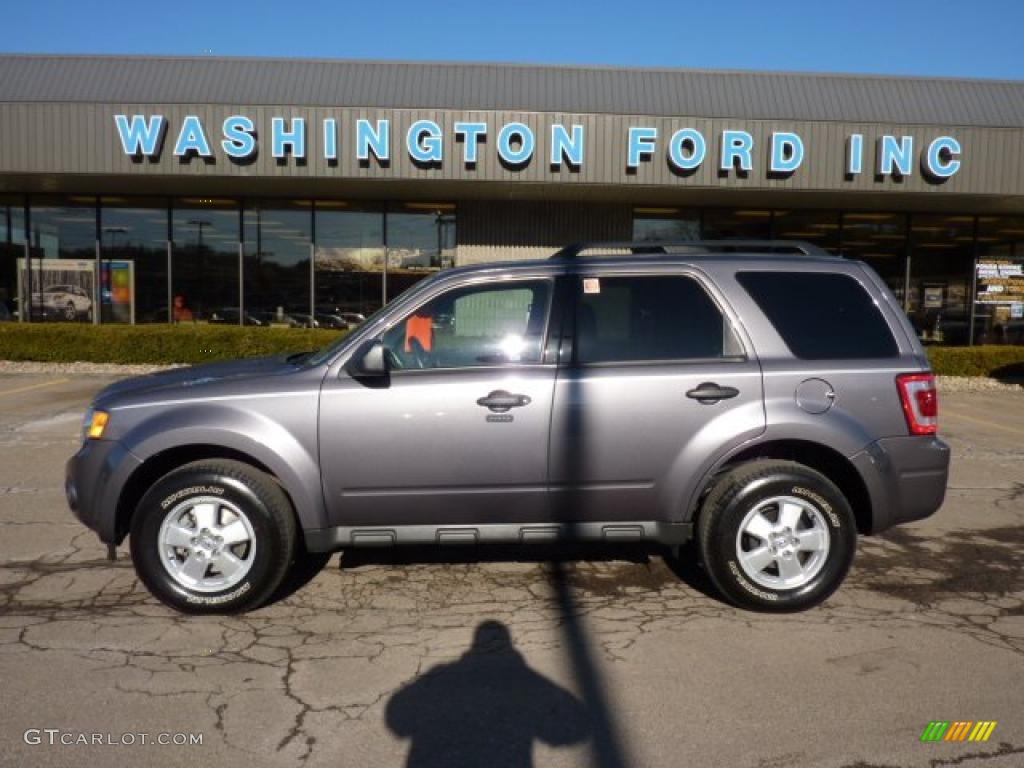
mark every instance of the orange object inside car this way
{"type": "Point", "coordinates": [421, 328]}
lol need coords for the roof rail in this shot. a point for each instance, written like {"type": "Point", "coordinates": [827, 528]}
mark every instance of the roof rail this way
{"type": "Point", "coordinates": [797, 247]}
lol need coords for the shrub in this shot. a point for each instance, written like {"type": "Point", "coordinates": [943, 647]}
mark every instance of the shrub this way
{"type": "Point", "coordinates": [161, 344]}
{"type": "Point", "coordinates": [996, 361]}
{"type": "Point", "coordinates": [152, 344]}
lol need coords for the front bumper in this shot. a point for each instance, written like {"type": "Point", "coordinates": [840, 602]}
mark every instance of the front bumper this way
{"type": "Point", "coordinates": [905, 477]}
{"type": "Point", "coordinates": [93, 480]}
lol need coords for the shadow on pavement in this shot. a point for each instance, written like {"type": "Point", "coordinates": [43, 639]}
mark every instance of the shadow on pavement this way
{"type": "Point", "coordinates": [485, 709]}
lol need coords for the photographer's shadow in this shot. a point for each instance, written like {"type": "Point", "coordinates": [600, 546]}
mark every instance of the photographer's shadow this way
{"type": "Point", "coordinates": [485, 709]}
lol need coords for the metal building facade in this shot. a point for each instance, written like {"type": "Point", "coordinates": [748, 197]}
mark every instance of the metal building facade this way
{"type": "Point", "coordinates": [58, 137]}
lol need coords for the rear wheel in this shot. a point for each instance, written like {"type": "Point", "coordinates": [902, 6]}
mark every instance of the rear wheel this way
{"type": "Point", "coordinates": [213, 537]}
{"type": "Point", "coordinates": [776, 535]}
{"type": "Point", "coordinates": [70, 313]}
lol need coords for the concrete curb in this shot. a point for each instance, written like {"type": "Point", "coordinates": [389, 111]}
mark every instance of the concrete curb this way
{"type": "Point", "coordinates": [81, 369]}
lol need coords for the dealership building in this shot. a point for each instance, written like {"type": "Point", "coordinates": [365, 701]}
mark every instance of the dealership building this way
{"type": "Point", "coordinates": [155, 189]}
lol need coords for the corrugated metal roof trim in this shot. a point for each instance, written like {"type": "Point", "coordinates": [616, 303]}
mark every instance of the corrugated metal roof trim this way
{"type": "Point", "coordinates": [728, 94]}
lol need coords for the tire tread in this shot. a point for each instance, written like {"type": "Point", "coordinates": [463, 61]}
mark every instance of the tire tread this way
{"type": "Point", "coordinates": [277, 504]}
{"type": "Point", "coordinates": [732, 482]}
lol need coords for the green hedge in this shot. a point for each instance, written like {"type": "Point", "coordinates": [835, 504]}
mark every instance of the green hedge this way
{"type": "Point", "coordinates": [152, 344]}
{"type": "Point", "coordinates": [156, 344]}
{"type": "Point", "coordinates": [1003, 362]}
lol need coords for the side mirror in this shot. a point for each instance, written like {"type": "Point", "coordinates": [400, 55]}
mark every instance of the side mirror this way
{"type": "Point", "coordinates": [369, 362]}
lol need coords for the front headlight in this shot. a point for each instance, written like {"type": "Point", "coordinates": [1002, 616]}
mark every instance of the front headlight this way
{"type": "Point", "coordinates": [94, 423]}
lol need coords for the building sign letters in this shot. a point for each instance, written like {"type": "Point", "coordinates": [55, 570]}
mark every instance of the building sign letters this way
{"type": "Point", "coordinates": [517, 145]}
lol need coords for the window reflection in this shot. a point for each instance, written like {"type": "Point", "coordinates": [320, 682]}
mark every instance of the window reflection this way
{"type": "Point", "coordinates": [60, 285]}
{"type": "Point", "coordinates": [333, 262]}
{"type": "Point", "coordinates": [665, 224]}
{"type": "Point", "coordinates": [277, 263]}
{"type": "Point", "coordinates": [941, 260]}
{"type": "Point", "coordinates": [12, 248]}
{"type": "Point", "coordinates": [420, 241]}
{"type": "Point", "coordinates": [349, 264]}
{"type": "Point", "coordinates": [204, 267]}
{"type": "Point", "coordinates": [818, 227]}
{"type": "Point", "coordinates": [474, 326]}
{"type": "Point", "coordinates": [133, 265]}
{"type": "Point", "coordinates": [880, 239]}
{"type": "Point", "coordinates": [1000, 307]}
{"type": "Point", "coordinates": [737, 225]}
{"type": "Point", "coordinates": [63, 228]}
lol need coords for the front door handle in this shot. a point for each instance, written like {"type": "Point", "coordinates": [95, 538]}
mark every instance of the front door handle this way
{"type": "Point", "coordinates": [709, 392]}
{"type": "Point", "coordinates": [501, 401]}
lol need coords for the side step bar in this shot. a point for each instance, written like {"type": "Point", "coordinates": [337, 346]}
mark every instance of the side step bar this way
{"type": "Point", "coordinates": [331, 539]}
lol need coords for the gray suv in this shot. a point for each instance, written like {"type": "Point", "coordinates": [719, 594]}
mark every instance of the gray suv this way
{"type": "Point", "coordinates": [769, 401]}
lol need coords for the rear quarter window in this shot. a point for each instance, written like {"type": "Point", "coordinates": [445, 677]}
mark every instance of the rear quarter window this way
{"type": "Point", "coordinates": [821, 315]}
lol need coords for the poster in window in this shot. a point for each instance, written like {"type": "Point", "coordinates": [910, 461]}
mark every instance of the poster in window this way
{"type": "Point", "coordinates": [60, 289]}
{"type": "Point", "coordinates": [1000, 281]}
{"type": "Point", "coordinates": [117, 291]}
{"type": "Point", "coordinates": [933, 296]}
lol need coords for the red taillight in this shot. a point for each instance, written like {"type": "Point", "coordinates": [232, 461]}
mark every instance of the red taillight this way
{"type": "Point", "coordinates": [920, 402]}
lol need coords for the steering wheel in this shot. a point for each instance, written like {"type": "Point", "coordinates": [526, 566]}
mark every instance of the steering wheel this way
{"type": "Point", "coordinates": [419, 354]}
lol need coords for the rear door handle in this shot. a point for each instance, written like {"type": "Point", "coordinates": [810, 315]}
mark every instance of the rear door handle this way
{"type": "Point", "coordinates": [501, 401]}
{"type": "Point", "coordinates": [709, 392]}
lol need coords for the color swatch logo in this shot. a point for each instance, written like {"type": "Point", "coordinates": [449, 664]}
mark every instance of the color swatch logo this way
{"type": "Point", "coordinates": [958, 730]}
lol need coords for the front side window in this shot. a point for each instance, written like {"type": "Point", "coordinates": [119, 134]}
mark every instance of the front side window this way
{"type": "Point", "coordinates": [474, 326]}
{"type": "Point", "coordinates": [647, 319]}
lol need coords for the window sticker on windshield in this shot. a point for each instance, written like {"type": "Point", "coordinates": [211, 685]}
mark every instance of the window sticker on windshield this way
{"type": "Point", "coordinates": [591, 285]}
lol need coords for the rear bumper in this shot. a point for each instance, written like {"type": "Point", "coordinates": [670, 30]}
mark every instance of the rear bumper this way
{"type": "Point", "coordinates": [905, 478]}
{"type": "Point", "coordinates": [93, 480]}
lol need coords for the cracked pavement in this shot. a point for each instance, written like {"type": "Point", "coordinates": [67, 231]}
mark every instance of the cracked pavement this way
{"type": "Point", "coordinates": [602, 657]}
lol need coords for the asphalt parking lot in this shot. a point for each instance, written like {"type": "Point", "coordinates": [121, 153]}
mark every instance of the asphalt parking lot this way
{"type": "Point", "coordinates": [603, 658]}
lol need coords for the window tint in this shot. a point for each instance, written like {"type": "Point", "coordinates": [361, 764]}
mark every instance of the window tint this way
{"type": "Point", "coordinates": [821, 316]}
{"type": "Point", "coordinates": [648, 318]}
{"type": "Point", "coordinates": [479, 325]}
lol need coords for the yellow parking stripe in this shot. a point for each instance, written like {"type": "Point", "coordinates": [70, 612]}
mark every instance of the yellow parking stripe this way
{"type": "Point", "coordinates": [30, 387]}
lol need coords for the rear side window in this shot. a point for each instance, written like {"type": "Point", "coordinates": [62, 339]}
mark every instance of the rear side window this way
{"type": "Point", "coordinates": [820, 315]}
{"type": "Point", "coordinates": [650, 318]}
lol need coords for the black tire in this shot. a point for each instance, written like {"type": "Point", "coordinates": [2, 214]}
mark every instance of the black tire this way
{"type": "Point", "coordinates": [266, 508]}
{"type": "Point", "coordinates": [70, 313]}
{"type": "Point", "coordinates": [741, 491]}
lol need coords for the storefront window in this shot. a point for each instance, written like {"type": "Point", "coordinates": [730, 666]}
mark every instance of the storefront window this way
{"type": "Point", "coordinates": [665, 224]}
{"type": "Point", "coordinates": [420, 240]}
{"type": "Point", "coordinates": [12, 248]}
{"type": "Point", "coordinates": [737, 225]}
{"type": "Point", "coordinates": [277, 262]}
{"type": "Point", "coordinates": [818, 227]}
{"type": "Point", "coordinates": [62, 249]}
{"type": "Point", "coordinates": [349, 263]}
{"type": "Point", "coordinates": [133, 263]}
{"type": "Point", "coordinates": [204, 264]}
{"type": "Point", "coordinates": [941, 260]}
{"type": "Point", "coordinates": [1000, 282]}
{"type": "Point", "coordinates": [879, 239]}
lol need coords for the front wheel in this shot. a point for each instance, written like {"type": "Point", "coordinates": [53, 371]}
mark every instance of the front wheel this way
{"type": "Point", "coordinates": [213, 537]}
{"type": "Point", "coordinates": [776, 536]}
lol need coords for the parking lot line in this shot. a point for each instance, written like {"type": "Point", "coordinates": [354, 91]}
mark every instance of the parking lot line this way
{"type": "Point", "coordinates": [948, 412]}
{"type": "Point", "coordinates": [30, 387]}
